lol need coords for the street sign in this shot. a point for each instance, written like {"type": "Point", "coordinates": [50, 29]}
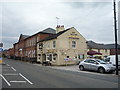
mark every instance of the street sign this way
{"type": "Point", "coordinates": [1, 55]}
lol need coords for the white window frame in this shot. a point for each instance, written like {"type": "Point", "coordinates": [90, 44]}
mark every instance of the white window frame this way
{"type": "Point", "coordinates": [74, 44]}
{"type": "Point", "coordinates": [54, 44]}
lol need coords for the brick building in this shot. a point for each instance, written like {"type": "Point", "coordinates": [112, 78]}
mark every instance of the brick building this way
{"type": "Point", "coordinates": [105, 49]}
{"type": "Point", "coordinates": [25, 48]}
{"type": "Point", "coordinates": [66, 47]}
{"type": "Point", "coordinates": [8, 53]}
{"type": "Point", "coordinates": [19, 47]}
{"type": "Point", "coordinates": [112, 48]}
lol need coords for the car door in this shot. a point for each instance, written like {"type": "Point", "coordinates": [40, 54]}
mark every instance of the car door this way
{"type": "Point", "coordinates": [86, 64]}
{"type": "Point", "coordinates": [93, 65]}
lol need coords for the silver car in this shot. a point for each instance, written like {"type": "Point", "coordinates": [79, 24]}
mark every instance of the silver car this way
{"type": "Point", "coordinates": [96, 65]}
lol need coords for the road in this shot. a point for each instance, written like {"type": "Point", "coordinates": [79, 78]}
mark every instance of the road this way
{"type": "Point", "coordinates": [20, 74]}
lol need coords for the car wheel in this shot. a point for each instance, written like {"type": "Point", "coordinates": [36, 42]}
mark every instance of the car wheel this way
{"type": "Point", "coordinates": [81, 68]}
{"type": "Point", "coordinates": [101, 70]}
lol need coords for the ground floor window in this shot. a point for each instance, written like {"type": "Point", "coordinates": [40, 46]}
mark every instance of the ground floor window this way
{"type": "Point", "coordinates": [51, 56]}
{"type": "Point", "coordinates": [54, 56]}
{"type": "Point", "coordinates": [39, 56]}
{"type": "Point", "coordinates": [81, 56]}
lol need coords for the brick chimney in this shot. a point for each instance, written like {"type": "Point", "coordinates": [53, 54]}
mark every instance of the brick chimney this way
{"type": "Point", "coordinates": [60, 28]}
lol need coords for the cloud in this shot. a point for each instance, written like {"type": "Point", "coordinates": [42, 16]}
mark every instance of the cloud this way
{"type": "Point", "coordinates": [92, 19]}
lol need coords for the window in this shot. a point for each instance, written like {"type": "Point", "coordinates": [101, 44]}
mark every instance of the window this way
{"type": "Point", "coordinates": [40, 45]}
{"type": "Point", "coordinates": [105, 50]}
{"type": "Point", "coordinates": [73, 44]}
{"type": "Point", "coordinates": [49, 57]}
{"type": "Point", "coordinates": [68, 56]}
{"type": "Point", "coordinates": [54, 44]}
{"type": "Point", "coordinates": [80, 56]}
{"type": "Point", "coordinates": [54, 56]}
{"type": "Point", "coordinates": [90, 61]}
{"type": "Point", "coordinates": [99, 50]}
{"type": "Point", "coordinates": [48, 45]}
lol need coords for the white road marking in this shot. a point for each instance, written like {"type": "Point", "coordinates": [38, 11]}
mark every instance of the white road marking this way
{"type": "Point", "coordinates": [7, 65]}
{"type": "Point", "coordinates": [5, 80]}
{"type": "Point", "coordinates": [25, 78]}
{"type": "Point", "coordinates": [13, 69]}
{"type": "Point", "coordinates": [10, 74]}
{"type": "Point", "coordinates": [18, 81]}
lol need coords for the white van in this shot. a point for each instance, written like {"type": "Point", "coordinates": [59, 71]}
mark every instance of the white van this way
{"type": "Point", "coordinates": [112, 60]}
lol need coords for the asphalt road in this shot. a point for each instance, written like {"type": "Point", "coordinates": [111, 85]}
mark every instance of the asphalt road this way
{"type": "Point", "coordinates": [19, 74]}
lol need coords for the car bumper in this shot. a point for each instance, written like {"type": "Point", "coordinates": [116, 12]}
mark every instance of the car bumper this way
{"type": "Point", "coordinates": [110, 70]}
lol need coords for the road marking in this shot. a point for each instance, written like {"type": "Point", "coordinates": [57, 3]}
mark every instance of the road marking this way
{"type": "Point", "coordinates": [10, 74]}
{"type": "Point", "coordinates": [13, 69]}
{"type": "Point", "coordinates": [25, 78]}
{"type": "Point", "coordinates": [7, 65]}
{"type": "Point", "coordinates": [5, 80]}
{"type": "Point", "coordinates": [18, 81]}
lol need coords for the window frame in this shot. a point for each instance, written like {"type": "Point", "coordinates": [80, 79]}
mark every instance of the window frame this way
{"type": "Point", "coordinates": [73, 44]}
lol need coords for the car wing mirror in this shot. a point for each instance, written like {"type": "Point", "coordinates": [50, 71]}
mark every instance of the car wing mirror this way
{"type": "Point", "coordinates": [97, 63]}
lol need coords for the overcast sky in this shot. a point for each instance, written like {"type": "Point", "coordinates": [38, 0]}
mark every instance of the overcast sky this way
{"type": "Point", "coordinates": [94, 20]}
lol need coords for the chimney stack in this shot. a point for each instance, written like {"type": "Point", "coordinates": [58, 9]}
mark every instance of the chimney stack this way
{"type": "Point", "coordinates": [60, 28]}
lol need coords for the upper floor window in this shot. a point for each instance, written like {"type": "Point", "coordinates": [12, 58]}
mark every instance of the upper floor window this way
{"type": "Point", "coordinates": [99, 50]}
{"type": "Point", "coordinates": [40, 45]}
{"type": "Point", "coordinates": [105, 50]}
{"type": "Point", "coordinates": [54, 44]}
{"type": "Point", "coordinates": [47, 45]}
{"type": "Point", "coordinates": [73, 44]}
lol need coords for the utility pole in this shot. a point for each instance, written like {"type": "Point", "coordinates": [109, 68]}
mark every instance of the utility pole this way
{"type": "Point", "coordinates": [116, 48]}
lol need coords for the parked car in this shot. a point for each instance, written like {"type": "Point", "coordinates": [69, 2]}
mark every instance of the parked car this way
{"type": "Point", "coordinates": [96, 65]}
{"type": "Point", "coordinates": [112, 60]}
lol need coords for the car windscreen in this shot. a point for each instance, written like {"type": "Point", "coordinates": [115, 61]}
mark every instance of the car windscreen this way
{"type": "Point", "coordinates": [107, 59]}
{"type": "Point", "coordinates": [100, 61]}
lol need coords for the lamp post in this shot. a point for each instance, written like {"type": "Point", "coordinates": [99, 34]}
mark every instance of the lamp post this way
{"type": "Point", "coordinates": [116, 48]}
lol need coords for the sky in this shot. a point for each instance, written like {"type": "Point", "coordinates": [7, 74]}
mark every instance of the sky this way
{"type": "Point", "coordinates": [93, 19]}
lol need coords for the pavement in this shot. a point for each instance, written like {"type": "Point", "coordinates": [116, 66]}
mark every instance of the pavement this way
{"type": "Point", "coordinates": [75, 68]}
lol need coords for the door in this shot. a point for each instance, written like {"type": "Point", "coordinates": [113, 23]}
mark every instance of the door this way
{"type": "Point", "coordinates": [93, 65]}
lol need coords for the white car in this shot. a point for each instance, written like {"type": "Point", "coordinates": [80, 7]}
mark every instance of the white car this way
{"type": "Point", "coordinates": [96, 65]}
{"type": "Point", "coordinates": [112, 60]}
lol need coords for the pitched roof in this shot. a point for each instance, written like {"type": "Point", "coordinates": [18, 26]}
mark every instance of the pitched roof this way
{"type": "Point", "coordinates": [25, 36]}
{"type": "Point", "coordinates": [55, 35]}
{"type": "Point", "coordinates": [94, 45]}
{"type": "Point", "coordinates": [46, 31]}
{"type": "Point", "coordinates": [22, 37]}
{"type": "Point", "coordinates": [111, 46]}
{"type": "Point", "coordinates": [49, 30]}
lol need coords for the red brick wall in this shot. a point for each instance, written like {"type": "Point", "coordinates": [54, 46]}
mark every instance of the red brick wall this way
{"type": "Point", "coordinates": [21, 48]}
{"type": "Point", "coordinates": [29, 45]}
{"type": "Point", "coordinates": [31, 49]}
{"type": "Point", "coordinates": [16, 49]}
{"type": "Point", "coordinates": [112, 51]}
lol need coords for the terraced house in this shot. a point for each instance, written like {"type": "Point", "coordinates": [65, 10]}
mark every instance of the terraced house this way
{"type": "Point", "coordinates": [65, 47]}
{"type": "Point", "coordinates": [104, 49]}
{"type": "Point", "coordinates": [25, 48]}
{"type": "Point", "coordinates": [99, 48]}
